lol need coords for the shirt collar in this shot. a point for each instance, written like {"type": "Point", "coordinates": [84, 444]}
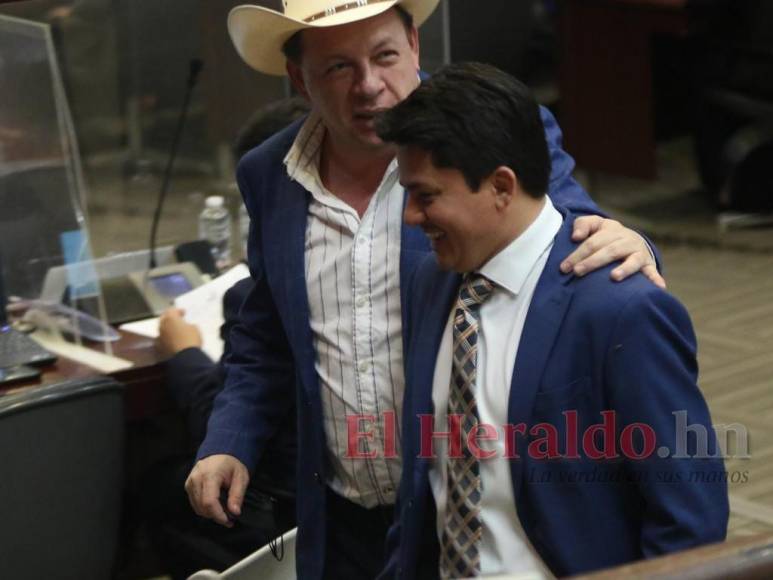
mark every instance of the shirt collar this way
{"type": "Point", "coordinates": [302, 161]}
{"type": "Point", "coordinates": [510, 268]}
{"type": "Point", "coordinates": [303, 157]}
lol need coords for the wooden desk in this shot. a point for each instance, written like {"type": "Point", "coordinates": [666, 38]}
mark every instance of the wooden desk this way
{"type": "Point", "coordinates": [743, 558]}
{"type": "Point", "coordinates": [606, 80]}
{"type": "Point", "coordinates": [145, 393]}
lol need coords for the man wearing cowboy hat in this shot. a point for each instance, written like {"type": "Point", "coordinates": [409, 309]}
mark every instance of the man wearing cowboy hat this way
{"type": "Point", "coordinates": [323, 325]}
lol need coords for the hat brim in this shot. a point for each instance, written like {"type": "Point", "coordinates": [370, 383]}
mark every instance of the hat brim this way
{"type": "Point", "coordinates": [259, 33]}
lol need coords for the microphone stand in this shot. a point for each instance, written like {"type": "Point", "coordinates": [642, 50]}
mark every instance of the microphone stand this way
{"type": "Point", "coordinates": [196, 65]}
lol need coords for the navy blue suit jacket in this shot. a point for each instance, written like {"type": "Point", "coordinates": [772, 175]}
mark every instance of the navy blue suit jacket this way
{"type": "Point", "coordinates": [272, 362]}
{"type": "Point", "coordinates": [194, 381]}
{"type": "Point", "coordinates": [588, 345]}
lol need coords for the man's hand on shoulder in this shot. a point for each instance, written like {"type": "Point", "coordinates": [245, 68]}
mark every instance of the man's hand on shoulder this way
{"type": "Point", "coordinates": [606, 241]}
{"type": "Point", "coordinates": [208, 477]}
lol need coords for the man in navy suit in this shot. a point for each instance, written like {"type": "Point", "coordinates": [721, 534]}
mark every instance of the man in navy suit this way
{"type": "Point", "coordinates": [330, 257]}
{"type": "Point", "coordinates": [541, 408]}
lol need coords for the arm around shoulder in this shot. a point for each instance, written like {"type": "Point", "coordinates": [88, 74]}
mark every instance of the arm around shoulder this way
{"type": "Point", "coordinates": [564, 188]}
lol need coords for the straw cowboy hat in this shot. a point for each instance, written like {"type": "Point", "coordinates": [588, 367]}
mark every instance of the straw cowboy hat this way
{"type": "Point", "coordinates": [259, 33]}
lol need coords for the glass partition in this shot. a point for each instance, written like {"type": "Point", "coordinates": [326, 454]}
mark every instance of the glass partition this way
{"type": "Point", "coordinates": [42, 195]}
{"type": "Point", "coordinates": [124, 67]}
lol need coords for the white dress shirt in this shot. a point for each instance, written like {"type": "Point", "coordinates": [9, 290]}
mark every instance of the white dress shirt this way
{"type": "Point", "coordinates": [515, 270]}
{"type": "Point", "coordinates": [353, 284]}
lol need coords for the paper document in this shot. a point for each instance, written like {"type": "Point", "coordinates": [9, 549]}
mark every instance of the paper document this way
{"type": "Point", "coordinates": [146, 327]}
{"type": "Point", "coordinates": [203, 307]}
{"type": "Point", "coordinates": [100, 361]}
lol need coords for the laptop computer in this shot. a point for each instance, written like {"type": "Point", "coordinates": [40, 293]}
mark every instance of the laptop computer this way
{"type": "Point", "coordinates": [16, 348]}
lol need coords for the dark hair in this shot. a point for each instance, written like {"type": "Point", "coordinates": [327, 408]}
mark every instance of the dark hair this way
{"type": "Point", "coordinates": [293, 46]}
{"type": "Point", "coordinates": [266, 121]}
{"type": "Point", "coordinates": [474, 118]}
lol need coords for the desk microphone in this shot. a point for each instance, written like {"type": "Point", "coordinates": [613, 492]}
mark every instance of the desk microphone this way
{"type": "Point", "coordinates": [196, 65]}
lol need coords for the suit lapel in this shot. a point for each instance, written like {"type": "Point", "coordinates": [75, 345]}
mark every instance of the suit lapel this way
{"type": "Point", "coordinates": [429, 334]}
{"type": "Point", "coordinates": [552, 297]}
{"type": "Point", "coordinates": [414, 246]}
{"type": "Point", "coordinates": [289, 261]}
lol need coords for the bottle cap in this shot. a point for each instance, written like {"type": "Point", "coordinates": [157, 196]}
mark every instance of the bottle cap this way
{"type": "Point", "coordinates": [214, 201]}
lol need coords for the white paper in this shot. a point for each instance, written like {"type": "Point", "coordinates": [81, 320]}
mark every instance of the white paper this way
{"type": "Point", "coordinates": [146, 327]}
{"type": "Point", "coordinates": [203, 307]}
{"type": "Point", "coordinates": [99, 361]}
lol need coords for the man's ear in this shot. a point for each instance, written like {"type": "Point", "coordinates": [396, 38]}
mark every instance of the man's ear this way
{"type": "Point", "coordinates": [413, 41]}
{"type": "Point", "coordinates": [296, 78]}
{"type": "Point", "coordinates": [505, 184]}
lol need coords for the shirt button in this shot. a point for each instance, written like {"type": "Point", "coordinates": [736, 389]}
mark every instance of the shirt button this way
{"type": "Point", "coordinates": [361, 301]}
{"type": "Point", "coordinates": [363, 367]}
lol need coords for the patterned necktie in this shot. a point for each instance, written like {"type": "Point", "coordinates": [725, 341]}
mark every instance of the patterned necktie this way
{"type": "Point", "coordinates": [459, 556]}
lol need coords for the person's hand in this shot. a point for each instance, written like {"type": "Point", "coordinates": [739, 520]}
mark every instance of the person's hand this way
{"type": "Point", "coordinates": [208, 477]}
{"type": "Point", "coordinates": [174, 334]}
{"type": "Point", "coordinates": [607, 241]}
{"type": "Point", "coordinates": [60, 13]}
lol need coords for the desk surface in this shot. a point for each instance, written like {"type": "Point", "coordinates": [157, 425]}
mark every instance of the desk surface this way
{"type": "Point", "coordinates": [748, 558]}
{"type": "Point", "coordinates": [145, 395]}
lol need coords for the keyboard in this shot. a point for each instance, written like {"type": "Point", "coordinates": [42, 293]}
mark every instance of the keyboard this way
{"type": "Point", "coordinates": [16, 348]}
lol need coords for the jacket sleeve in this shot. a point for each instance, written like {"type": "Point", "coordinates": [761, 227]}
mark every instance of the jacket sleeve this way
{"type": "Point", "coordinates": [685, 495]}
{"type": "Point", "coordinates": [232, 305]}
{"type": "Point", "coordinates": [564, 189]}
{"type": "Point", "coordinates": [259, 378]}
{"type": "Point", "coordinates": [194, 381]}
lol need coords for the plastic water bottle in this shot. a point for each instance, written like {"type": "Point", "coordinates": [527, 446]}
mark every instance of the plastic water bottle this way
{"type": "Point", "coordinates": [215, 226]}
{"type": "Point", "coordinates": [244, 229]}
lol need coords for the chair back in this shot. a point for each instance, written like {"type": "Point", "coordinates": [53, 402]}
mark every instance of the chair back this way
{"type": "Point", "coordinates": [61, 479]}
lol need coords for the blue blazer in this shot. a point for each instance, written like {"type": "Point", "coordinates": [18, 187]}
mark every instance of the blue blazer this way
{"type": "Point", "coordinates": [271, 365]}
{"type": "Point", "coordinates": [194, 379]}
{"type": "Point", "coordinates": [588, 345]}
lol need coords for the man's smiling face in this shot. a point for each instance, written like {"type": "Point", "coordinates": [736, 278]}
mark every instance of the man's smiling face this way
{"type": "Point", "coordinates": [462, 224]}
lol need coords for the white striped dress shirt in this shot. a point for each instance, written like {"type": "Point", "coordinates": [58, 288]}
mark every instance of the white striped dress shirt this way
{"type": "Point", "coordinates": [353, 284]}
